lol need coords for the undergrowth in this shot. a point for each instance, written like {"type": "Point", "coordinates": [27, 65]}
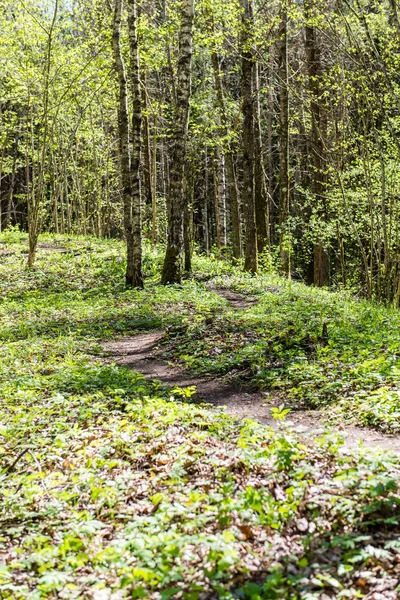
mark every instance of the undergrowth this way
{"type": "Point", "coordinates": [323, 349]}
{"type": "Point", "coordinates": [111, 488]}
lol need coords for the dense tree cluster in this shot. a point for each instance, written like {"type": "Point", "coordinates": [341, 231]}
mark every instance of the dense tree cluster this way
{"type": "Point", "coordinates": [267, 131]}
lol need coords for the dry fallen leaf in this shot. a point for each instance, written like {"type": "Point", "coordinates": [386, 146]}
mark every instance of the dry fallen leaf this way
{"type": "Point", "coordinates": [302, 525]}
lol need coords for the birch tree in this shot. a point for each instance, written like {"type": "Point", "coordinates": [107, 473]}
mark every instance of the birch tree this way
{"type": "Point", "coordinates": [129, 159]}
{"type": "Point", "coordinates": [134, 275]}
{"type": "Point", "coordinates": [172, 268]}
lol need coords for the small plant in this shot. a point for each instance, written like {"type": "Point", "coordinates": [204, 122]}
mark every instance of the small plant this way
{"type": "Point", "coordinates": [267, 262]}
{"type": "Point", "coordinates": [12, 235]}
{"type": "Point", "coordinates": [279, 414]}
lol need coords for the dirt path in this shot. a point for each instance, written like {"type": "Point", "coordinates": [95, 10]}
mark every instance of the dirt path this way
{"type": "Point", "coordinates": [142, 354]}
{"type": "Point", "coordinates": [236, 301]}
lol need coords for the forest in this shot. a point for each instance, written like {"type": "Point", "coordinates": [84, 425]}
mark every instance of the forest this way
{"type": "Point", "coordinates": [199, 299]}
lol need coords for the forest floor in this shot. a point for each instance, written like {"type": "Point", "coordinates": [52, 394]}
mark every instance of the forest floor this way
{"type": "Point", "coordinates": [145, 353]}
{"type": "Point", "coordinates": [119, 482]}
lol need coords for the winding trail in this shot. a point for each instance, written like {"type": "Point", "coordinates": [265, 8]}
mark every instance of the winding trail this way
{"type": "Point", "coordinates": [141, 353]}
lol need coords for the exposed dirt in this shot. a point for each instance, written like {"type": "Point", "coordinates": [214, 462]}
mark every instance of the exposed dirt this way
{"type": "Point", "coordinates": [141, 353]}
{"type": "Point", "coordinates": [42, 246]}
{"type": "Point", "coordinates": [236, 301]}
{"type": "Point", "coordinates": [48, 247]}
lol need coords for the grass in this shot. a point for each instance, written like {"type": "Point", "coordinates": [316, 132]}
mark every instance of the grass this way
{"type": "Point", "coordinates": [110, 488]}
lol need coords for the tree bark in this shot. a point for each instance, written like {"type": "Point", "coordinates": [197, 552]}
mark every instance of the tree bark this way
{"type": "Point", "coordinates": [220, 166]}
{"type": "Point", "coordinates": [215, 161]}
{"type": "Point", "coordinates": [172, 268]}
{"type": "Point", "coordinates": [154, 230]}
{"type": "Point", "coordinates": [229, 162]}
{"type": "Point", "coordinates": [134, 275]}
{"type": "Point", "coordinates": [129, 161]}
{"type": "Point", "coordinates": [12, 182]}
{"type": "Point", "coordinates": [284, 179]}
{"type": "Point", "coordinates": [251, 255]}
{"type": "Point", "coordinates": [204, 208]}
{"type": "Point", "coordinates": [260, 184]}
{"type": "Point", "coordinates": [188, 227]}
{"type": "Point", "coordinates": [318, 126]}
{"type": "Point", "coordinates": [124, 137]}
{"type": "Point", "coordinates": [147, 162]}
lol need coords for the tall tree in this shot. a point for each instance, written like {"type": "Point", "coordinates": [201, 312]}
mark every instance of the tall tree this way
{"type": "Point", "coordinates": [318, 128]}
{"type": "Point", "coordinates": [123, 134]}
{"type": "Point", "coordinates": [229, 161]}
{"type": "Point", "coordinates": [284, 178]}
{"type": "Point", "coordinates": [129, 160]}
{"type": "Point", "coordinates": [248, 63]}
{"type": "Point", "coordinates": [260, 183]}
{"type": "Point", "coordinates": [172, 268]}
{"type": "Point", "coordinates": [134, 276]}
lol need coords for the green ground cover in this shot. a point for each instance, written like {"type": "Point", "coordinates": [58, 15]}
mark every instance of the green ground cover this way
{"type": "Point", "coordinates": [323, 349]}
{"type": "Point", "coordinates": [110, 488]}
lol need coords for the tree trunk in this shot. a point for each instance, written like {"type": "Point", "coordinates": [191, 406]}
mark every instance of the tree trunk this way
{"type": "Point", "coordinates": [221, 201]}
{"type": "Point", "coordinates": [260, 188]}
{"type": "Point", "coordinates": [12, 183]}
{"type": "Point", "coordinates": [216, 198]}
{"type": "Point", "coordinates": [123, 134]}
{"type": "Point", "coordinates": [154, 231]}
{"type": "Point", "coordinates": [251, 258]}
{"type": "Point", "coordinates": [271, 206]}
{"type": "Point", "coordinates": [318, 126]}
{"type": "Point", "coordinates": [229, 162]}
{"type": "Point", "coordinates": [129, 170]}
{"type": "Point", "coordinates": [134, 275]}
{"type": "Point", "coordinates": [187, 228]}
{"type": "Point", "coordinates": [172, 268]}
{"type": "Point", "coordinates": [284, 180]}
{"type": "Point", "coordinates": [147, 162]}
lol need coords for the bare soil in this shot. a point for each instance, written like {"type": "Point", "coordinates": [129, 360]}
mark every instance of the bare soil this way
{"type": "Point", "coordinates": [236, 301]}
{"type": "Point", "coordinates": [41, 247]}
{"type": "Point", "coordinates": [142, 353]}
{"type": "Point", "coordinates": [48, 247]}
